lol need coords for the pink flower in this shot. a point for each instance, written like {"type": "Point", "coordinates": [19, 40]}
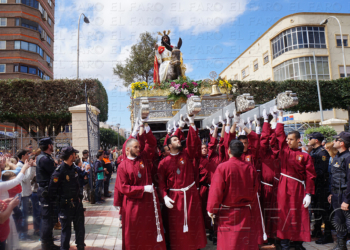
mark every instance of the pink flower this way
{"type": "Point", "coordinates": [195, 84]}
{"type": "Point", "coordinates": [184, 85]}
{"type": "Point", "coordinates": [189, 95]}
{"type": "Point", "coordinates": [177, 86]}
{"type": "Point", "coordinates": [172, 84]}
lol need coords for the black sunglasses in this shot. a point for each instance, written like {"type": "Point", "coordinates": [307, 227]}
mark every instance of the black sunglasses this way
{"type": "Point", "coordinates": [339, 139]}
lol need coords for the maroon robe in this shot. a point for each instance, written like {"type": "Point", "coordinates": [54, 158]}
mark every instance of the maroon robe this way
{"type": "Point", "coordinates": [250, 156]}
{"type": "Point", "coordinates": [268, 182]}
{"type": "Point", "coordinates": [213, 155]}
{"type": "Point", "coordinates": [206, 171]}
{"type": "Point", "coordinates": [138, 217]}
{"type": "Point", "coordinates": [294, 221]}
{"type": "Point", "coordinates": [235, 185]}
{"type": "Point", "coordinates": [176, 172]}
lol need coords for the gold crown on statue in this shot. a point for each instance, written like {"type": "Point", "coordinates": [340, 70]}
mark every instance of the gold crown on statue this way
{"type": "Point", "coordinates": [164, 33]}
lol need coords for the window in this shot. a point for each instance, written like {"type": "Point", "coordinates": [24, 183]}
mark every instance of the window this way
{"type": "Point", "coordinates": [302, 68]}
{"type": "Point", "coordinates": [49, 2]}
{"type": "Point", "coordinates": [17, 21]}
{"type": "Point", "coordinates": [41, 9]}
{"type": "Point", "coordinates": [245, 72]}
{"type": "Point", "coordinates": [46, 77]}
{"type": "Point", "coordinates": [266, 57]}
{"type": "Point", "coordinates": [345, 40]}
{"type": "Point", "coordinates": [3, 1]}
{"type": "Point", "coordinates": [48, 59]}
{"type": "Point", "coordinates": [26, 23]}
{"type": "Point", "coordinates": [298, 38]}
{"type": "Point", "coordinates": [24, 69]}
{"type": "Point", "coordinates": [342, 73]}
{"type": "Point", "coordinates": [236, 77]}
{"type": "Point", "coordinates": [48, 39]}
{"type": "Point", "coordinates": [28, 70]}
{"type": "Point", "coordinates": [29, 46]}
{"type": "Point", "coordinates": [256, 65]}
{"type": "Point", "coordinates": [31, 3]}
{"type": "Point", "coordinates": [2, 68]}
{"type": "Point", "coordinates": [49, 21]}
{"type": "Point", "coordinates": [18, 1]}
{"type": "Point", "coordinates": [2, 44]}
{"type": "Point", "coordinates": [3, 21]}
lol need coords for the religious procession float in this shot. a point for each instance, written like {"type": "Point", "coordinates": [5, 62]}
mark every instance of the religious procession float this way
{"type": "Point", "coordinates": [172, 96]}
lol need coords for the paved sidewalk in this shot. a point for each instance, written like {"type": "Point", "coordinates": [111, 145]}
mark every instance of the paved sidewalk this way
{"type": "Point", "coordinates": [102, 229]}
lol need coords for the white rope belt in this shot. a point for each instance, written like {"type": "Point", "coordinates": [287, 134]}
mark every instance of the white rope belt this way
{"type": "Point", "coordinates": [302, 182]}
{"type": "Point", "coordinates": [267, 184]}
{"type": "Point", "coordinates": [262, 220]}
{"type": "Point", "coordinates": [276, 179]}
{"type": "Point", "coordinates": [185, 228]}
{"type": "Point", "coordinates": [159, 235]}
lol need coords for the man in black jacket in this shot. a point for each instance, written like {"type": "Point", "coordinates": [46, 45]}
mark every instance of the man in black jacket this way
{"type": "Point", "coordinates": [99, 174]}
{"type": "Point", "coordinates": [340, 187]}
{"type": "Point", "coordinates": [320, 205]}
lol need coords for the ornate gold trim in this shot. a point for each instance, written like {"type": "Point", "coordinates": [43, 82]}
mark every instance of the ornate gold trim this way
{"type": "Point", "coordinates": [177, 104]}
{"type": "Point", "coordinates": [152, 92]}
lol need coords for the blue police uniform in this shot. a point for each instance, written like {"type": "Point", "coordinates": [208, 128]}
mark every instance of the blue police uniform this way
{"type": "Point", "coordinates": [45, 166]}
{"type": "Point", "coordinates": [64, 187]}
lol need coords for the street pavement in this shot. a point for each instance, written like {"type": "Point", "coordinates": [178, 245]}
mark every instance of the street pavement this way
{"type": "Point", "coordinates": [102, 229]}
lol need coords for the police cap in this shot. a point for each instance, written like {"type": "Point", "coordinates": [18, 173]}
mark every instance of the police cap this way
{"type": "Point", "coordinates": [67, 151]}
{"type": "Point", "coordinates": [316, 135]}
{"type": "Point", "coordinates": [345, 136]}
{"type": "Point", "coordinates": [45, 141]}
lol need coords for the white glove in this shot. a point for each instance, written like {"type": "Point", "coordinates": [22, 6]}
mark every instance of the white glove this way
{"type": "Point", "coordinates": [168, 202]}
{"type": "Point", "coordinates": [118, 208]}
{"type": "Point", "coordinates": [136, 128]}
{"type": "Point", "coordinates": [227, 114]}
{"type": "Point", "coordinates": [213, 122]}
{"type": "Point", "coordinates": [236, 118]}
{"type": "Point", "coordinates": [221, 120]}
{"type": "Point", "coordinates": [273, 125]}
{"type": "Point", "coordinates": [182, 122]}
{"type": "Point", "coordinates": [145, 120]}
{"type": "Point", "coordinates": [169, 129]}
{"type": "Point", "coordinates": [241, 124]}
{"type": "Point", "coordinates": [174, 126]}
{"type": "Point", "coordinates": [210, 130]}
{"type": "Point", "coordinates": [280, 114]}
{"type": "Point", "coordinates": [266, 117]}
{"type": "Point", "coordinates": [190, 119]}
{"type": "Point", "coordinates": [141, 122]}
{"type": "Point", "coordinates": [257, 122]}
{"type": "Point", "coordinates": [148, 188]}
{"type": "Point", "coordinates": [211, 215]}
{"type": "Point", "coordinates": [307, 200]}
{"type": "Point", "coordinates": [249, 123]}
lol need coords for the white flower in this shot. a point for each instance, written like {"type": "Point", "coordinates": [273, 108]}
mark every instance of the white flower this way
{"type": "Point", "coordinates": [186, 92]}
{"type": "Point", "coordinates": [177, 91]}
{"type": "Point", "coordinates": [172, 89]}
{"type": "Point", "coordinates": [195, 90]}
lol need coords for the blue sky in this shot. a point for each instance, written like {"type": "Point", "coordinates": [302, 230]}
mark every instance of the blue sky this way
{"type": "Point", "coordinates": [214, 33]}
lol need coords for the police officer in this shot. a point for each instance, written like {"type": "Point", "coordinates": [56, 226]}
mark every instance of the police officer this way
{"type": "Point", "coordinates": [64, 187]}
{"type": "Point", "coordinates": [320, 157]}
{"type": "Point", "coordinates": [45, 167]}
{"type": "Point", "coordinates": [340, 186]}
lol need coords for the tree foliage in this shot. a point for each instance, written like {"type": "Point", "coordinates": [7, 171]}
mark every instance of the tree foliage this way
{"type": "Point", "coordinates": [42, 104]}
{"type": "Point", "coordinates": [140, 61]}
{"type": "Point", "coordinates": [335, 93]}
{"type": "Point", "coordinates": [109, 138]}
{"type": "Point", "coordinates": [326, 131]}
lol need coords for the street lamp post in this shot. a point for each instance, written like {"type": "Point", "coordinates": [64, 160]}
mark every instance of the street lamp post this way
{"type": "Point", "coordinates": [86, 20]}
{"type": "Point", "coordinates": [118, 125]}
{"type": "Point", "coordinates": [341, 37]}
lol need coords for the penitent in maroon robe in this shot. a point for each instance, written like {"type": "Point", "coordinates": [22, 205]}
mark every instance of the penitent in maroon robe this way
{"type": "Point", "coordinates": [214, 156]}
{"type": "Point", "coordinates": [232, 192]}
{"type": "Point", "coordinates": [177, 172]}
{"type": "Point", "coordinates": [269, 183]}
{"type": "Point", "coordinates": [139, 213]}
{"type": "Point", "coordinates": [206, 171]}
{"type": "Point", "coordinates": [294, 221]}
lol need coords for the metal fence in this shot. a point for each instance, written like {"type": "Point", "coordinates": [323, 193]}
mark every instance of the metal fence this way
{"type": "Point", "coordinates": [11, 142]}
{"type": "Point", "coordinates": [93, 130]}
